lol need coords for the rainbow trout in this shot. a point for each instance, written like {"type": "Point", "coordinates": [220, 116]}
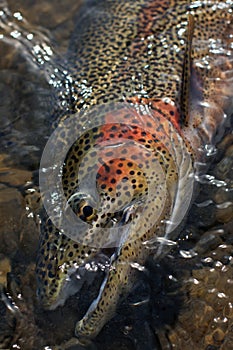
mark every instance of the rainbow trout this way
{"type": "Point", "coordinates": [150, 88]}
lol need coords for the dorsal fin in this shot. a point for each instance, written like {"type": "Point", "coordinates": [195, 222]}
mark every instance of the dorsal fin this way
{"type": "Point", "coordinates": [186, 75]}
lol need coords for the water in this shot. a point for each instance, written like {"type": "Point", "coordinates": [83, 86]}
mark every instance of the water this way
{"type": "Point", "coordinates": [183, 302]}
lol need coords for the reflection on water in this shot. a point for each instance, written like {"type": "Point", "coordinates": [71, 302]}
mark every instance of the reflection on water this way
{"type": "Point", "coordinates": [185, 302]}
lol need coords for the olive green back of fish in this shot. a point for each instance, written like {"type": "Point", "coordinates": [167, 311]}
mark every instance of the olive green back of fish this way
{"type": "Point", "coordinates": [126, 49]}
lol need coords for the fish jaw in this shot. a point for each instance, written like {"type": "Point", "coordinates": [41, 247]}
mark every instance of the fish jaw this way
{"type": "Point", "coordinates": [60, 266]}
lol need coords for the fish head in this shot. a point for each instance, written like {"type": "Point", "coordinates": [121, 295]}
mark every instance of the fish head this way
{"type": "Point", "coordinates": [119, 182]}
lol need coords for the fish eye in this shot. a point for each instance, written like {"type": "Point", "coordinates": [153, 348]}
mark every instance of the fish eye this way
{"type": "Point", "coordinates": [83, 206]}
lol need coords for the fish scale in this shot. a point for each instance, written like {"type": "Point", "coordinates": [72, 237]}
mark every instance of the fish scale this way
{"type": "Point", "coordinates": [137, 55]}
{"type": "Point", "coordinates": [124, 67]}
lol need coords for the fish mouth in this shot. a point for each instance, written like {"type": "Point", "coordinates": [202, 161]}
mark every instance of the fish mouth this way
{"type": "Point", "coordinates": [52, 297]}
{"type": "Point", "coordinates": [70, 276]}
{"type": "Point", "coordinates": [72, 282]}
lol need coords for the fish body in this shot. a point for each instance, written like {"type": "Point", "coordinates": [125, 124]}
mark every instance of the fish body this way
{"type": "Point", "coordinates": [150, 88]}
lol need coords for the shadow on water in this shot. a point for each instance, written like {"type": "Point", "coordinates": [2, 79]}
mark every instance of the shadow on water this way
{"type": "Point", "coordinates": [182, 302]}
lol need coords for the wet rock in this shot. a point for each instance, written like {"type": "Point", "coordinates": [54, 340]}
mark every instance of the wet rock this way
{"type": "Point", "coordinates": [224, 166]}
{"type": "Point", "coordinates": [7, 326]}
{"type": "Point", "coordinates": [209, 241]}
{"type": "Point", "coordinates": [14, 177]}
{"type": "Point", "coordinates": [10, 207]}
{"type": "Point", "coordinates": [224, 204]}
{"type": "Point", "coordinates": [206, 319]}
{"type": "Point", "coordinates": [18, 227]}
{"type": "Point", "coordinates": [19, 301]}
{"type": "Point", "coordinates": [225, 212]}
{"type": "Point", "coordinates": [5, 268]}
{"type": "Point", "coordinates": [59, 22]}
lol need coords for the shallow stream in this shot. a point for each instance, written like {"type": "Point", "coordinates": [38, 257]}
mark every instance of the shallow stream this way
{"type": "Point", "coordinates": [184, 302]}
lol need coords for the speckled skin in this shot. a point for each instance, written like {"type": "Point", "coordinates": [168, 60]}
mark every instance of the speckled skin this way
{"type": "Point", "coordinates": [137, 52]}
